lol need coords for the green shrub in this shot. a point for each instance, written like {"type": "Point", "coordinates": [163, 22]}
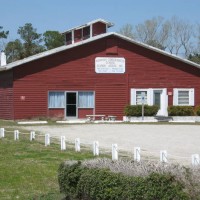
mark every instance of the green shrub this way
{"type": "Point", "coordinates": [68, 177]}
{"type": "Point", "coordinates": [197, 110]}
{"type": "Point", "coordinates": [136, 110]}
{"type": "Point", "coordinates": [180, 111]}
{"type": "Point", "coordinates": [102, 184]}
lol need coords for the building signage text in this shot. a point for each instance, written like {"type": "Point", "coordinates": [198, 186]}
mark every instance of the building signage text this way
{"type": "Point", "coordinates": [110, 65]}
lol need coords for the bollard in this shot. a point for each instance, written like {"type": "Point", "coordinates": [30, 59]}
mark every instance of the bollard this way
{"type": "Point", "coordinates": [195, 159]}
{"type": "Point", "coordinates": [47, 140]}
{"type": "Point", "coordinates": [114, 152]}
{"type": "Point", "coordinates": [32, 135]}
{"type": "Point", "coordinates": [16, 135]}
{"type": "Point", "coordinates": [163, 156]}
{"type": "Point", "coordinates": [96, 148]}
{"type": "Point", "coordinates": [77, 145]}
{"type": "Point", "coordinates": [137, 154]}
{"type": "Point", "coordinates": [2, 133]}
{"type": "Point", "coordinates": [62, 143]}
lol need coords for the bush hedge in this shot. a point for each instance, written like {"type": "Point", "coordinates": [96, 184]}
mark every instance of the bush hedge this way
{"type": "Point", "coordinates": [136, 110]}
{"type": "Point", "coordinates": [81, 183]}
{"type": "Point", "coordinates": [197, 110]}
{"type": "Point", "coordinates": [181, 111]}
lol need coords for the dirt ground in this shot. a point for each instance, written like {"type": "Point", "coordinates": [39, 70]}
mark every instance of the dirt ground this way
{"type": "Point", "coordinates": [180, 141]}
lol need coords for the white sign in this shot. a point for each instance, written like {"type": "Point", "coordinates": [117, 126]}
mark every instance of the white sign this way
{"type": "Point", "coordinates": [110, 65]}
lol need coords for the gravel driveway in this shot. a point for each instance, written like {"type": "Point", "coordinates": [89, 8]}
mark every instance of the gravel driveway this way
{"type": "Point", "coordinates": [180, 141]}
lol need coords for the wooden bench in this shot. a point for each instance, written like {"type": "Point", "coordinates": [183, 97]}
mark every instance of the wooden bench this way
{"type": "Point", "coordinates": [93, 117]}
{"type": "Point", "coordinates": [111, 118]}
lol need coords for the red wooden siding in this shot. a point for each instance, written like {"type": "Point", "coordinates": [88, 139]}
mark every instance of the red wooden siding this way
{"type": "Point", "coordinates": [74, 70]}
{"type": "Point", "coordinates": [148, 69]}
{"type": "Point", "coordinates": [6, 95]}
{"type": "Point", "coordinates": [99, 28]}
{"type": "Point", "coordinates": [57, 113]}
{"type": "Point", "coordinates": [82, 112]}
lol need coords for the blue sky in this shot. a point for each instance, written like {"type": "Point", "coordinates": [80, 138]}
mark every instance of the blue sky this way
{"type": "Point", "coordinates": [64, 14]}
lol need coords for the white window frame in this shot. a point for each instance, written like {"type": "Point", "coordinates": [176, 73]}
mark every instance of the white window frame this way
{"type": "Point", "coordinates": [149, 95]}
{"type": "Point", "coordinates": [191, 96]}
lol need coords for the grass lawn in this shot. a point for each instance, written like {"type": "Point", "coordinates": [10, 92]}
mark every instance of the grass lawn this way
{"type": "Point", "coordinates": [28, 170]}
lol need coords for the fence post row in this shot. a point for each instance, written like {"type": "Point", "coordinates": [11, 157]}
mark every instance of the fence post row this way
{"type": "Point", "coordinates": [16, 135]}
{"type": "Point", "coordinates": [114, 152]}
{"type": "Point", "coordinates": [95, 148]}
{"type": "Point", "coordinates": [137, 154]}
{"type": "Point", "coordinates": [2, 133]}
{"type": "Point", "coordinates": [195, 159]}
{"type": "Point", "coordinates": [62, 143]}
{"type": "Point", "coordinates": [47, 140]}
{"type": "Point", "coordinates": [32, 135]}
{"type": "Point", "coordinates": [163, 156]}
{"type": "Point", "coordinates": [137, 150]}
{"type": "Point", "coordinates": [77, 145]}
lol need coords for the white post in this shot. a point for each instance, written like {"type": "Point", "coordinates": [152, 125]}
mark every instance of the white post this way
{"type": "Point", "coordinates": [47, 140]}
{"type": "Point", "coordinates": [163, 156]}
{"type": "Point", "coordinates": [96, 148]}
{"type": "Point", "coordinates": [195, 159]}
{"type": "Point", "coordinates": [62, 143]}
{"type": "Point", "coordinates": [16, 135]}
{"type": "Point", "coordinates": [77, 145]}
{"type": "Point", "coordinates": [114, 152]}
{"type": "Point", "coordinates": [32, 135]}
{"type": "Point", "coordinates": [137, 154]}
{"type": "Point", "coordinates": [2, 133]}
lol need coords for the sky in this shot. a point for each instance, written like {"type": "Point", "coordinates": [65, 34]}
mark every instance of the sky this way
{"type": "Point", "coordinates": [61, 15]}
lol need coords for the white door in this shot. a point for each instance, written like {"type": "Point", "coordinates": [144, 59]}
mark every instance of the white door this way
{"type": "Point", "coordinates": [160, 99]}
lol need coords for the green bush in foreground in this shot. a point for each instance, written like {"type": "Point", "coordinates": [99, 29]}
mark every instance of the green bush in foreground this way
{"type": "Point", "coordinates": [197, 110]}
{"type": "Point", "coordinates": [180, 111]}
{"type": "Point", "coordinates": [136, 110]}
{"type": "Point", "coordinates": [78, 182]}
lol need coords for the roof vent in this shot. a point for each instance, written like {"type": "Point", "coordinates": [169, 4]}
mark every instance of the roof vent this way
{"type": "Point", "coordinates": [3, 59]}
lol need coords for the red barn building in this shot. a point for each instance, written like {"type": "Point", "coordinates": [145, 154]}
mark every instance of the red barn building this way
{"type": "Point", "coordinates": [96, 72]}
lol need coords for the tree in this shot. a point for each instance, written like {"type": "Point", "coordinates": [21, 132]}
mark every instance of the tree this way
{"type": "Point", "coordinates": [127, 30]}
{"type": "Point", "coordinates": [31, 40]}
{"type": "Point", "coordinates": [153, 32]}
{"type": "Point", "coordinates": [3, 34]}
{"type": "Point", "coordinates": [180, 38]}
{"type": "Point", "coordinates": [194, 58]}
{"type": "Point", "coordinates": [53, 39]}
{"type": "Point", "coordinates": [28, 45]}
{"type": "Point", "coordinates": [14, 51]}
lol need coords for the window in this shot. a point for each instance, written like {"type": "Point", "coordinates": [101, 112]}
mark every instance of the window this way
{"type": "Point", "coordinates": [139, 95]}
{"type": "Point", "coordinates": [86, 99]}
{"type": "Point", "coordinates": [183, 97]}
{"type": "Point", "coordinates": [136, 96]}
{"type": "Point", "coordinates": [56, 99]}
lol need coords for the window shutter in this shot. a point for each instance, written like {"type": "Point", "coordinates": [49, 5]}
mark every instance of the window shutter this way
{"type": "Point", "coordinates": [191, 97]}
{"type": "Point", "coordinates": [133, 97]}
{"type": "Point", "coordinates": [175, 97]}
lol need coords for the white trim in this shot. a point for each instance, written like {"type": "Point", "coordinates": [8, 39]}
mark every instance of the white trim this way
{"type": "Point", "coordinates": [191, 96]}
{"type": "Point", "coordinates": [73, 37]}
{"type": "Point", "coordinates": [94, 38]}
{"type": "Point", "coordinates": [150, 98]}
{"type": "Point", "coordinates": [109, 24]}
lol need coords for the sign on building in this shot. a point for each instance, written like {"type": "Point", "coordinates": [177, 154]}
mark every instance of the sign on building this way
{"type": "Point", "coordinates": [110, 65]}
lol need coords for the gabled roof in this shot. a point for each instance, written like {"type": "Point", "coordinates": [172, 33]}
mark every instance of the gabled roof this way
{"type": "Point", "coordinates": [109, 24]}
{"type": "Point", "coordinates": [63, 48]}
